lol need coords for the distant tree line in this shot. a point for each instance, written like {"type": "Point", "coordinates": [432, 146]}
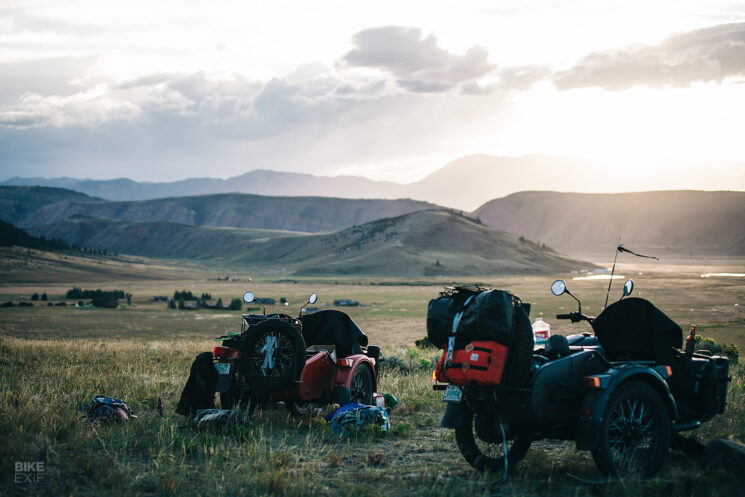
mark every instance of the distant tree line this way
{"type": "Point", "coordinates": [13, 236]}
{"type": "Point", "coordinates": [10, 235]}
{"type": "Point", "coordinates": [180, 298]}
{"type": "Point", "coordinates": [187, 295]}
{"type": "Point", "coordinates": [100, 298]}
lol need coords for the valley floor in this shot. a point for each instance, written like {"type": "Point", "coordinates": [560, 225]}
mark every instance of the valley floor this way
{"type": "Point", "coordinates": [54, 358]}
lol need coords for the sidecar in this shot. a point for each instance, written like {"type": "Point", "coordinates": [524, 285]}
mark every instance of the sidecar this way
{"type": "Point", "coordinates": [305, 362]}
{"type": "Point", "coordinates": [620, 394]}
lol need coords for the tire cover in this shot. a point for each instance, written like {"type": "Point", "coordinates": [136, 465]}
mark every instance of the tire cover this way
{"type": "Point", "coordinates": [289, 337]}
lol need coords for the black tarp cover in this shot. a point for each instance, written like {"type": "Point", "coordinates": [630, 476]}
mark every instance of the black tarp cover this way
{"type": "Point", "coordinates": [332, 327]}
{"type": "Point", "coordinates": [634, 329]}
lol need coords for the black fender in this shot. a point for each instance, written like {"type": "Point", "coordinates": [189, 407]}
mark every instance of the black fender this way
{"type": "Point", "coordinates": [453, 416]}
{"type": "Point", "coordinates": [593, 407]}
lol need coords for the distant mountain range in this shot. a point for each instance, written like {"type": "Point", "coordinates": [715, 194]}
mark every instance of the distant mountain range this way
{"type": "Point", "coordinates": [424, 243]}
{"type": "Point", "coordinates": [33, 206]}
{"type": "Point", "coordinates": [464, 184]}
{"type": "Point", "coordinates": [671, 222]}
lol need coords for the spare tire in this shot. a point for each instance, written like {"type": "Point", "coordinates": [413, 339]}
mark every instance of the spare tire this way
{"type": "Point", "coordinates": [272, 354]}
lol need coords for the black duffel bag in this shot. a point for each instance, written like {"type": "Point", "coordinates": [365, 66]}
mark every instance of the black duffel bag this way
{"type": "Point", "coordinates": [486, 315]}
{"type": "Point", "coordinates": [442, 311]}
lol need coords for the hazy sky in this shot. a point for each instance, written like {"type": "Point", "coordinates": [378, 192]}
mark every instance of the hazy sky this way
{"type": "Point", "coordinates": [390, 90]}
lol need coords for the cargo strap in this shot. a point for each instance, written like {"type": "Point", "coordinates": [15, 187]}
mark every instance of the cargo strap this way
{"type": "Point", "coordinates": [451, 339]}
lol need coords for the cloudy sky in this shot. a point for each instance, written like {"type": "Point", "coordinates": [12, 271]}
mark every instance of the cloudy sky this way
{"type": "Point", "coordinates": [172, 89]}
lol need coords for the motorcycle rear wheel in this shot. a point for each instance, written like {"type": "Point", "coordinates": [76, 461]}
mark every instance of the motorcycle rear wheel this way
{"type": "Point", "coordinates": [486, 456]}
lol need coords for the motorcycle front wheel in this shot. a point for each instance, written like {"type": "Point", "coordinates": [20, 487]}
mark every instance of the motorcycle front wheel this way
{"type": "Point", "coordinates": [635, 434]}
{"type": "Point", "coordinates": [489, 455]}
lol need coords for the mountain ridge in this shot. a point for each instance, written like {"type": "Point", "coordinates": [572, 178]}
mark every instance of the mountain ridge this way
{"type": "Point", "coordinates": [432, 242]}
{"type": "Point", "coordinates": [686, 222]}
{"type": "Point", "coordinates": [464, 183]}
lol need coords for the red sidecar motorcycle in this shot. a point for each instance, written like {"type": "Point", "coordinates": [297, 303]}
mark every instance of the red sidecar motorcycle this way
{"type": "Point", "coordinates": [306, 362]}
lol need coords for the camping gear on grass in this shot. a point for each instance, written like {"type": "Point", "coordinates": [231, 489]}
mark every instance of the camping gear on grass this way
{"type": "Point", "coordinates": [199, 391]}
{"type": "Point", "coordinates": [353, 417]}
{"type": "Point", "coordinates": [219, 419]}
{"type": "Point", "coordinates": [107, 409]}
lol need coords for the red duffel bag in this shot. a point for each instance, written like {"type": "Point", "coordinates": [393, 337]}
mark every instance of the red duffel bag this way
{"type": "Point", "coordinates": [477, 363]}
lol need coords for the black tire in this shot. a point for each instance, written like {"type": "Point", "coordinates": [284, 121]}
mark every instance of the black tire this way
{"type": "Point", "coordinates": [489, 456]}
{"type": "Point", "coordinates": [361, 385]}
{"type": "Point", "coordinates": [277, 365]}
{"type": "Point", "coordinates": [635, 434]}
{"type": "Point", "coordinates": [301, 409]}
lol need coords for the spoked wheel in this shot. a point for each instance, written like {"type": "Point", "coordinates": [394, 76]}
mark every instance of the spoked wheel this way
{"type": "Point", "coordinates": [487, 453]}
{"type": "Point", "coordinates": [273, 355]}
{"type": "Point", "coordinates": [361, 386]}
{"type": "Point", "coordinates": [635, 434]}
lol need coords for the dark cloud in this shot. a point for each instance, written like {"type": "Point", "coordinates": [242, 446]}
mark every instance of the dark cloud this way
{"type": "Point", "coordinates": [417, 63]}
{"type": "Point", "coordinates": [709, 54]}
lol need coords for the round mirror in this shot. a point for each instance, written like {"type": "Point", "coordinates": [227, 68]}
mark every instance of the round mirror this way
{"type": "Point", "coordinates": [558, 287]}
{"type": "Point", "coordinates": [628, 287]}
{"type": "Point", "coordinates": [248, 297]}
{"type": "Point", "coordinates": [313, 297]}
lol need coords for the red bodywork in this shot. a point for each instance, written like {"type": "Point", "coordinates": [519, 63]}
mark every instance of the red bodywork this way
{"type": "Point", "coordinates": [319, 378]}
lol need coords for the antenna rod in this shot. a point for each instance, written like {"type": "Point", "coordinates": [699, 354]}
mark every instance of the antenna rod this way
{"type": "Point", "coordinates": [612, 272]}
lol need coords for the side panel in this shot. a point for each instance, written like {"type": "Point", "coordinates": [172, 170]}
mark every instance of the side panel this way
{"type": "Point", "coordinates": [558, 392]}
{"type": "Point", "coordinates": [593, 407]}
{"type": "Point", "coordinates": [344, 374]}
{"type": "Point", "coordinates": [317, 378]}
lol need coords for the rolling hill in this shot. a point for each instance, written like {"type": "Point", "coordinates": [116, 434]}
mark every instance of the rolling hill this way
{"type": "Point", "coordinates": [33, 206]}
{"type": "Point", "coordinates": [423, 243]}
{"type": "Point", "coordinates": [668, 222]}
{"type": "Point", "coordinates": [158, 239]}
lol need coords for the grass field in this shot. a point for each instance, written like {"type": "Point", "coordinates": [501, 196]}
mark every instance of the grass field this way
{"type": "Point", "coordinates": [54, 358]}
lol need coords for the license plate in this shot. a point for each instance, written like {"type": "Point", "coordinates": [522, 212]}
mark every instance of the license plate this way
{"type": "Point", "coordinates": [222, 367]}
{"type": "Point", "coordinates": [453, 394]}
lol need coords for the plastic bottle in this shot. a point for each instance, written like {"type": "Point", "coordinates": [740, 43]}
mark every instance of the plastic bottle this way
{"type": "Point", "coordinates": [541, 331]}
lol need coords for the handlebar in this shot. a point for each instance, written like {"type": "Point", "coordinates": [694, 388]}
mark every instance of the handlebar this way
{"type": "Point", "coordinates": [575, 317]}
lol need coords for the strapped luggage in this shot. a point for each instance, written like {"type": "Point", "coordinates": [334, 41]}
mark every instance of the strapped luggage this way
{"type": "Point", "coordinates": [478, 363]}
{"type": "Point", "coordinates": [700, 383]}
{"type": "Point", "coordinates": [470, 313]}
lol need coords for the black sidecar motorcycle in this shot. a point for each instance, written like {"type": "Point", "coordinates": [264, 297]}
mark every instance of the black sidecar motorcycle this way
{"type": "Point", "coordinates": [622, 393]}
